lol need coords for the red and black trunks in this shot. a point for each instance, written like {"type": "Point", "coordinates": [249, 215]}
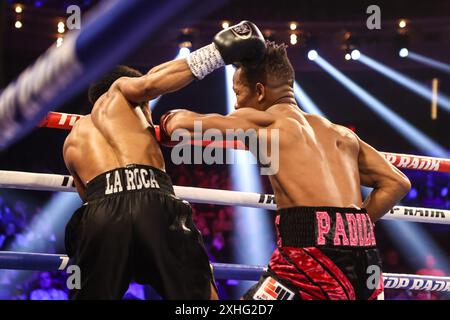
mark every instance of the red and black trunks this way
{"type": "Point", "coordinates": [322, 253]}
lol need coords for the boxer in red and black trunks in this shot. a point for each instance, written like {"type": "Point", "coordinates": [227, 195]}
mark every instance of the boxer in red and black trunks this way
{"type": "Point", "coordinates": [327, 259]}
{"type": "Point", "coordinates": [326, 241]}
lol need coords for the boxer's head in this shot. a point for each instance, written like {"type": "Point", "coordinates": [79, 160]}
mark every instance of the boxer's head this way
{"type": "Point", "coordinates": [102, 85]}
{"type": "Point", "coordinates": [260, 84]}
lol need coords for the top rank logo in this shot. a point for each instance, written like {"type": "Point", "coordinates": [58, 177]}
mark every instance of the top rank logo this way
{"type": "Point", "coordinates": [271, 289]}
{"type": "Point", "coordinates": [242, 30]}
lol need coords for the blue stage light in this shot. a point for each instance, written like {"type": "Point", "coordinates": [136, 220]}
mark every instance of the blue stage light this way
{"type": "Point", "coordinates": [445, 67]}
{"type": "Point", "coordinates": [417, 138]}
{"type": "Point", "coordinates": [403, 52]}
{"type": "Point", "coordinates": [413, 85]}
{"type": "Point", "coordinates": [305, 101]}
{"type": "Point", "coordinates": [312, 55]}
{"type": "Point", "coordinates": [355, 54]}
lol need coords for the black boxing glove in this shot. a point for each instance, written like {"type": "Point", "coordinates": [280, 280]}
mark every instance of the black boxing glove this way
{"type": "Point", "coordinates": [239, 43]}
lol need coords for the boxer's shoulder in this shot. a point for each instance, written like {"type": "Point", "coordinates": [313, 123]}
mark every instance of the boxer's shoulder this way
{"type": "Point", "coordinates": [80, 124]}
{"type": "Point", "coordinates": [257, 117]}
{"type": "Point", "coordinates": [344, 131]}
{"type": "Point", "coordinates": [80, 129]}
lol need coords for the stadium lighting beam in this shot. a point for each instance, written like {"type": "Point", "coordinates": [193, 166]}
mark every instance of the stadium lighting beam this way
{"type": "Point", "coordinates": [305, 101]}
{"type": "Point", "coordinates": [55, 215]}
{"type": "Point", "coordinates": [444, 67]}
{"type": "Point", "coordinates": [405, 81]}
{"type": "Point", "coordinates": [407, 130]}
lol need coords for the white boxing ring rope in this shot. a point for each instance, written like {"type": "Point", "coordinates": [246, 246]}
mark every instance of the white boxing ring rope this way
{"type": "Point", "coordinates": [54, 182]}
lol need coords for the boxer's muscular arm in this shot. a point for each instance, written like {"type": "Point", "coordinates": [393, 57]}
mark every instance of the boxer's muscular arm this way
{"type": "Point", "coordinates": [167, 77]}
{"type": "Point", "coordinates": [227, 48]}
{"type": "Point", "coordinates": [245, 118]}
{"type": "Point", "coordinates": [389, 184]}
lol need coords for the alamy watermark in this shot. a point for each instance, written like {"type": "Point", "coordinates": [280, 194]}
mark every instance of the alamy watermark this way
{"type": "Point", "coordinates": [373, 281]}
{"type": "Point", "coordinates": [73, 21]}
{"type": "Point", "coordinates": [74, 279]}
{"type": "Point", "coordinates": [374, 20]}
{"type": "Point", "coordinates": [264, 144]}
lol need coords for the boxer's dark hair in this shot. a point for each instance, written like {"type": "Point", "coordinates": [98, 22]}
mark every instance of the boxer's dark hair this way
{"type": "Point", "coordinates": [102, 85]}
{"type": "Point", "coordinates": [275, 65]}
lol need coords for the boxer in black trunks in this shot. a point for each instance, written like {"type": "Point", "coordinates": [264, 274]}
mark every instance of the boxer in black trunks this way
{"type": "Point", "coordinates": [325, 229]}
{"type": "Point", "coordinates": [132, 225]}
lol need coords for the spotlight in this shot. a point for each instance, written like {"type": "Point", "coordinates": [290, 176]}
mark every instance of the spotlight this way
{"type": "Point", "coordinates": [61, 27]}
{"type": "Point", "coordinates": [312, 55]}
{"type": "Point", "coordinates": [225, 24]}
{"type": "Point", "coordinates": [310, 43]}
{"type": "Point", "coordinates": [18, 9]}
{"type": "Point", "coordinates": [350, 44]}
{"type": "Point", "coordinates": [351, 40]}
{"type": "Point", "coordinates": [185, 40]}
{"type": "Point", "coordinates": [294, 39]}
{"type": "Point", "coordinates": [18, 24]}
{"type": "Point", "coordinates": [347, 36]}
{"type": "Point", "coordinates": [293, 26]}
{"type": "Point", "coordinates": [403, 52]}
{"type": "Point", "coordinates": [184, 52]}
{"type": "Point", "coordinates": [402, 23]}
{"type": "Point", "coordinates": [402, 42]}
{"type": "Point", "coordinates": [59, 42]}
{"type": "Point", "coordinates": [355, 54]}
{"type": "Point", "coordinates": [348, 55]}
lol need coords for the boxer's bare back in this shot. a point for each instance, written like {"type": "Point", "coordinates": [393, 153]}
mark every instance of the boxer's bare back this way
{"type": "Point", "coordinates": [111, 136]}
{"type": "Point", "coordinates": [114, 135]}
